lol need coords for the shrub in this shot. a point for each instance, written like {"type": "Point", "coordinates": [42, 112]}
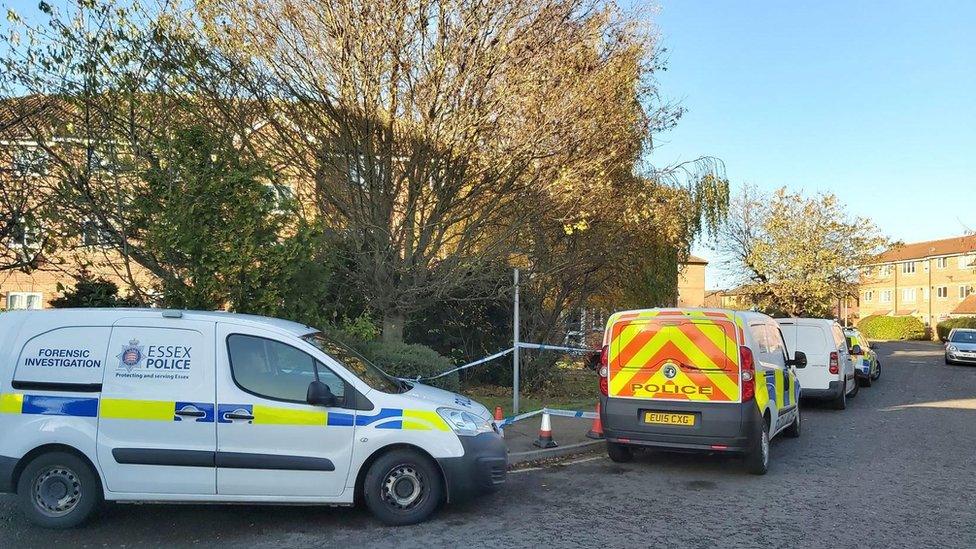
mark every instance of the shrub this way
{"type": "Point", "coordinates": [90, 291]}
{"type": "Point", "coordinates": [892, 327]}
{"type": "Point", "coordinates": [410, 361]}
{"type": "Point", "coordinates": [946, 326]}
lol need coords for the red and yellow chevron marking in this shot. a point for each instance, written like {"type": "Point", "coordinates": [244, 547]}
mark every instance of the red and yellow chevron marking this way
{"type": "Point", "coordinates": [701, 345]}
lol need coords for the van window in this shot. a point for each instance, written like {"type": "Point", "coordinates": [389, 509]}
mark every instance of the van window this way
{"type": "Point", "coordinates": [64, 355]}
{"type": "Point", "coordinates": [758, 332]}
{"type": "Point", "coordinates": [776, 344]}
{"type": "Point", "coordinates": [275, 370]}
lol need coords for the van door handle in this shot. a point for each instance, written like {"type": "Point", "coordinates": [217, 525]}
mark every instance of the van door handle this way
{"type": "Point", "coordinates": [238, 415]}
{"type": "Point", "coordinates": [191, 413]}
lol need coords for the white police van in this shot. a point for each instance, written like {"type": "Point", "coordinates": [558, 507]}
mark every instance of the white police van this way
{"type": "Point", "coordinates": [143, 405]}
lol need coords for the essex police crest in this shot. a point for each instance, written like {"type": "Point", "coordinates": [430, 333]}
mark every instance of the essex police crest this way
{"type": "Point", "coordinates": [131, 355]}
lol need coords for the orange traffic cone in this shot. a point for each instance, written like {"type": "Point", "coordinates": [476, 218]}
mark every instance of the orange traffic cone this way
{"type": "Point", "coordinates": [596, 431]}
{"type": "Point", "coordinates": [499, 418]}
{"type": "Point", "coordinates": [545, 433]}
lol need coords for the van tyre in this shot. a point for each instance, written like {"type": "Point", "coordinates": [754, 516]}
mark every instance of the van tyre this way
{"type": "Point", "coordinates": [619, 453]}
{"type": "Point", "coordinates": [403, 487]}
{"type": "Point", "coordinates": [840, 403]}
{"type": "Point", "coordinates": [857, 389]}
{"type": "Point", "coordinates": [59, 490]}
{"type": "Point", "coordinates": [793, 431]}
{"type": "Point", "coordinates": [877, 374]}
{"type": "Point", "coordinates": [757, 459]}
{"type": "Point", "coordinates": [865, 381]}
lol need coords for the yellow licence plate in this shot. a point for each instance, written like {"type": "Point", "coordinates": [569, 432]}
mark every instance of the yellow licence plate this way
{"type": "Point", "coordinates": [666, 418]}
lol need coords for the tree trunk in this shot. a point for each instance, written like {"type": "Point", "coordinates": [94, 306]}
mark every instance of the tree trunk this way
{"type": "Point", "coordinates": [393, 327]}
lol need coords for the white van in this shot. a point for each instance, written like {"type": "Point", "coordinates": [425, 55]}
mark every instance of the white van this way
{"type": "Point", "coordinates": [829, 374]}
{"type": "Point", "coordinates": [141, 405]}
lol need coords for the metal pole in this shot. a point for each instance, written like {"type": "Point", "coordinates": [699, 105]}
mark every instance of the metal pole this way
{"type": "Point", "coordinates": [515, 350]}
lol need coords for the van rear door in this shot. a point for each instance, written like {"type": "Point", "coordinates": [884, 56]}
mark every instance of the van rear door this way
{"type": "Point", "coordinates": [674, 356]}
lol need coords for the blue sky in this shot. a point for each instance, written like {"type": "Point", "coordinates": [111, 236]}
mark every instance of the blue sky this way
{"type": "Point", "coordinates": [873, 101]}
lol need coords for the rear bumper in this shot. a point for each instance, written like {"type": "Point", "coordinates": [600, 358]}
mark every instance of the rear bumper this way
{"type": "Point", "coordinates": [831, 392]}
{"type": "Point", "coordinates": [7, 466]}
{"type": "Point", "coordinates": [481, 469]}
{"type": "Point", "coordinates": [726, 427]}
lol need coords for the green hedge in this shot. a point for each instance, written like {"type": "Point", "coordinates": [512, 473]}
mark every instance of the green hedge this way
{"type": "Point", "coordinates": [409, 361]}
{"type": "Point", "coordinates": [946, 326]}
{"type": "Point", "coordinates": [892, 327]}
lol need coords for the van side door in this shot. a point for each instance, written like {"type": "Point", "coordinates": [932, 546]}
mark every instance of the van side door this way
{"type": "Point", "coordinates": [787, 391]}
{"type": "Point", "coordinates": [270, 441]}
{"type": "Point", "coordinates": [156, 430]}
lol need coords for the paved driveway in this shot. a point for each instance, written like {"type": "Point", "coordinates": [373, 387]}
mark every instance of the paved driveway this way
{"type": "Point", "coordinates": [896, 469]}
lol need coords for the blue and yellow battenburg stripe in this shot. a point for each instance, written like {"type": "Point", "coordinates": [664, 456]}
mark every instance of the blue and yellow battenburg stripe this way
{"type": "Point", "coordinates": [165, 410]}
{"type": "Point", "coordinates": [385, 418]}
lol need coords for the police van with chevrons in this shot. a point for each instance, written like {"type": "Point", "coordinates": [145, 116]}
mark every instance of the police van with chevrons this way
{"type": "Point", "coordinates": [143, 405]}
{"type": "Point", "coordinates": [709, 380]}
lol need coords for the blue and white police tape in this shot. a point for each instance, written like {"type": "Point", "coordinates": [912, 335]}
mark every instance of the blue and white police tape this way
{"type": "Point", "coordinates": [550, 411]}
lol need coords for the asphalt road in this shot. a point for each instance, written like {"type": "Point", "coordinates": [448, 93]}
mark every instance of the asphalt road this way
{"type": "Point", "coordinates": [896, 469]}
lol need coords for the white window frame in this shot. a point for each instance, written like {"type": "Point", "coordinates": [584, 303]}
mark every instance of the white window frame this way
{"type": "Point", "coordinates": [886, 270]}
{"type": "Point", "coordinates": [14, 298]}
{"type": "Point", "coordinates": [941, 262]}
{"type": "Point", "coordinates": [886, 296]}
{"type": "Point", "coordinates": [909, 295]}
{"type": "Point", "coordinates": [942, 292]}
{"type": "Point", "coordinates": [965, 290]}
{"type": "Point", "coordinates": [869, 296]}
{"type": "Point", "coordinates": [908, 267]}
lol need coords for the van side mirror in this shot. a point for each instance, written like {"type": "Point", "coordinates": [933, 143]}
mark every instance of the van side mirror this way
{"type": "Point", "coordinates": [856, 350]}
{"type": "Point", "coordinates": [799, 360]}
{"type": "Point", "coordinates": [319, 394]}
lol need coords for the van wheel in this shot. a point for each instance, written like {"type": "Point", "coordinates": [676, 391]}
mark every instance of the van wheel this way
{"type": "Point", "coordinates": [59, 490]}
{"type": "Point", "coordinates": [793, 431]}
{"type": "Point", "coordinates": [403, 487]}
{"type": "Point", "coordinates": [619, 453]}
{"type": "Point", "coordinates": [840, 403]}
{"type": "Point", "coordinates": [865, 381]}
{"type": "Point", "coordinates": [757, 460]}
{"type": "Point", "coordinates": [877, 375]}
{"type": "Point", "coordinates": [857, 389]}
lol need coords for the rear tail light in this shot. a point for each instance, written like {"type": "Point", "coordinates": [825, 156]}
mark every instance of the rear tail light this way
{"type": "Point", "coordinates": [834, 362]}
{"type": "Point", "coordinates": [748, 366]}
{"type": "Point", "coordinates": [604, 371]}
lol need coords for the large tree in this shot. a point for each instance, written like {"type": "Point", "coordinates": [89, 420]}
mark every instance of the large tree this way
{"type": "Point", "coordinates": [435, 130]}
{"type": "Point", "coordinates": [796, 255]}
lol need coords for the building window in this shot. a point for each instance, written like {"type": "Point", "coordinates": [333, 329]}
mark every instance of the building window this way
{"type": "Point", "coordinates": [967, 261]}
{"type": "Point", "coordinates": [93, 234]}
{"type": "Point", "coordinates": [24, 300]}
{"type": "Point", "coordinates": [869, 295]}
{"type": "Point", "coordinates": [964, 291]}
{"type": "Point", "coordinates": [282, 195]}
{"type": "Point", "coordinates": [886, 270]}
{"type": "Point", "coordinates": [942, 262]}
{"type": "Point", "coordinates": [908, 295]}
{"type": "Point", "coordinates": [886, 296]}
{"type": "Point", "coordinates": [908, 267]}
{"type": "Point", "coordinates": [942, 292]}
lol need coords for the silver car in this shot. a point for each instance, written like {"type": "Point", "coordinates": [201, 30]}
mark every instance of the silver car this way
{"type": "Point", "coordinates": [960, 348]}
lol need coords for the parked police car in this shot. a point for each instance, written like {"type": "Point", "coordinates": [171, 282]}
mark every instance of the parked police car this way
{"type": "Point", "coordinates": [697, 379]}
{"type": "Point", "coordinates": [146, 405]}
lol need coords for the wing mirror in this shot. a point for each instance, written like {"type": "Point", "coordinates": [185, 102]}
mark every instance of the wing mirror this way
{"type": "Point", "coordinates": [319, 394]}
{"type": "Point", "coordinates": [856, 350]}
{"type": "Point", "coordinates": [799, 360]}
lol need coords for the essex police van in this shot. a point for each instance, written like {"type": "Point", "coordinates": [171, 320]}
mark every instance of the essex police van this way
{"type": "Point", "coordinates": [697, 380]}
{"type": "Point", "coordinates": [133, 405]}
